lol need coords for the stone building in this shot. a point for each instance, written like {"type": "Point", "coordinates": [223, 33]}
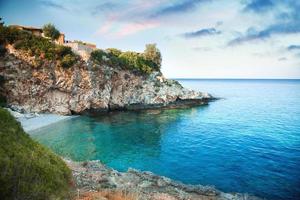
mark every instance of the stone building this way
{"type": "Point", "coordinates": [83, 49]}
{"type": "Point", "coordinates": [33, 30]}
{"type": "Point", "coordinates": [39, 32]}
{"type": "Point", "coordinates": [61, 39]}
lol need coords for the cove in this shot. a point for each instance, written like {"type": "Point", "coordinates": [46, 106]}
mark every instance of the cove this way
{"type": "Point", "coordinates": [249, 141]}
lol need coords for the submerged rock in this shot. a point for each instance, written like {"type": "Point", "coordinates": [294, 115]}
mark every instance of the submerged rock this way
{"type": "Point", "coordinates": [94, 176]}
{"type": "Point", "coordinates": [87, 87]}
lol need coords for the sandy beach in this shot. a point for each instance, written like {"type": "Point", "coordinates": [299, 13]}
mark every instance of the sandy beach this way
{"type": "Point", "coordinates": [33, 121]}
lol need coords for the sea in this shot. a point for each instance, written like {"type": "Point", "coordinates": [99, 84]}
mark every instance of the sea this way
{"type": "Point", "coordinates": [248, 141]}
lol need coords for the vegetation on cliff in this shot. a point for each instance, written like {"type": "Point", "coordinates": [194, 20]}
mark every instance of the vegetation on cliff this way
{"type": "Point", "coordinates": [27, 169]}
{"type": "Point", "coordinates": [41, 48]}
{"type": "Point", "coordinates": [44, 48]}
{"type": "Point", "coordinates": [50, 31]}
{"type": "Point", "coordinates": [146, 62]}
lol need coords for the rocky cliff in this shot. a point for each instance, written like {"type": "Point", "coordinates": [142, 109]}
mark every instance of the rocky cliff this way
{"type": "Point", "coordinates": [94, 176]}
{"type": "Point", "coordinates": [33, 86]}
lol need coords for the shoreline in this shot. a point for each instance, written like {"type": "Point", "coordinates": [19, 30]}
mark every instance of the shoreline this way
{"type": "Point", "coordinates": [94, 176]}
{"type": "Point", "coordinates": [34, 121]}
{"type": "Point", "coordinates": [31, 121]}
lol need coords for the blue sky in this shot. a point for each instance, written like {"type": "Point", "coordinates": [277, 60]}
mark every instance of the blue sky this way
{"type": "Point", "coordinates": [197, 38]}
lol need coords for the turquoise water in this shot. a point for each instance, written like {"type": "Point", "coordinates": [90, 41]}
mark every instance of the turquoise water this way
{"type": "Point", "coordinates": [249, 141]}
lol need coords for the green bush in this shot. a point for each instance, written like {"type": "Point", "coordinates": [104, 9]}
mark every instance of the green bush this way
{"type": "Point", "coordinates": [127, 60]}
{"type": "Point", "coordinates": [50, 31]}
{"type": "Point", "coordinates": [135, 61]}
{"type": "Point", "coordinates": [68, 61]}
{"type": "Point", "coordinates": [2, 50]}
{"type": "Point", "coordinates": [27, 169]}
{"type": "Point", "coordinates": [113, 52]}
{"type": "Point", "coordinates": [3, 101]}
{"type": "Point", "coordinates": [99, 56]}
{"type": "Point", "coordinates": [62, 51]}
{"type": "Point", "coordinates": [37, 46]}
{"type": "Point", "coordinates": [8, 35]}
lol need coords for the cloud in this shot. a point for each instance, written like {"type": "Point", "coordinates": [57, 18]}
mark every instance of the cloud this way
{"type": "Point", "coordinates": [127, 18]}
{"type": "Point", "coordinates": [282, 59]}
{"type": "Point", "coordinates": [51, 4]}
{"type": "Point", "coordinates": [131, 28]}
{"type": "Point", "coordinates": [201, 33]}
{"type": "Point", "coordinates": [293, 47]}
{"type": "Point", "coordinates": [107, 25]}
{"type": "Point", "coordinates": [259, 5]}
{"type": "Point", "coordinates": [107, 6]}
{"type": "Point", "coordinates": [181, 7]}
{"type": "Point", "coordinates": [280, 28]}
{"type": "Point", "coordinates": [114, 29]}
{"type": "Point", "coordinates": [203, 49]}
{"type": "Point", "coordinates": [250, 35]}
{"type": "Point", "coordinates": [219, 23]}
{"type": "Point", "coordinates": [286, 21]}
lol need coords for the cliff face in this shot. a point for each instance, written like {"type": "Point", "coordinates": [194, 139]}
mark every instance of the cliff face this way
{"type": "Point", "coordinates": [44, 87]}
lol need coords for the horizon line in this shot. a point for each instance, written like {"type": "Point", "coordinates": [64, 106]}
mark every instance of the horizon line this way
{"type": "Point", "coordinates": [237, 78]}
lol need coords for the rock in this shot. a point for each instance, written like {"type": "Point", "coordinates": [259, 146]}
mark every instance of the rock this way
{"type": "Point", "coordinates": [88, 87]}
{"type": "Point", "coordinates": [93, 176]}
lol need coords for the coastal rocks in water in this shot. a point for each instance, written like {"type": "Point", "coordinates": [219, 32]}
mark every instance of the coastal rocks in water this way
{"type": "Point", "coordinates": [94, 176]}
{"type": "Point", "coordinates": [86, 86]}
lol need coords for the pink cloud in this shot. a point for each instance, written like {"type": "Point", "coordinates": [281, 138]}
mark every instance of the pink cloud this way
{"type": "Point", "coordinates": [116, 26]}
{"type": "Point", "coordinates": [132, 28]}
{"type": "Point", "coordinates": [107, 25]}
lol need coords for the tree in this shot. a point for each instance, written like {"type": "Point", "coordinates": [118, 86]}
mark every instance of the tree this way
{"type": "Point", "coordinates": [50, 31]}
{"type": "Point", "coordinates": [153, 54]}
{"type": "Point", "coordinates": [1, 22]}
{"type": "Point", "coordinates": [3, 38]}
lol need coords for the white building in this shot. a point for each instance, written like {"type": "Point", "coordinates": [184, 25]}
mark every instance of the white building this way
{"type": "Point", "coordinates": [81, 48]}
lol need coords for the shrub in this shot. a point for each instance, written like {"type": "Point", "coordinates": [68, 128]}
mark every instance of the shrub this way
{"type": "Point", "coordinates": [62, 51]}
{"type": "Point", "coordinates": [153, 55]}
{"type": "Point", "coordinates": [2, 50]}
{"type": "Point", "coordinates": [114, 52]}
{"type": "Point", "coordinates": [37, 46]}
{"type": "Point", "coordinates": [1, 22]}
{"type": "Point", "coordinates": [135, 61]}
{"type": "Point", "coordinates": [68, 61]}
{"type": "Point", "coordinates": [99, 56]}
{"type": "Point", "coordinates": [127, 60]}
{"type": "Point", "coordinates": [27, 169]}
{"type": "Point", "coordinates": [2, 100]}
{"type": "Point", "coordinates": [8, 35]}
{"type": "Point", "coordinates": [50, 31]}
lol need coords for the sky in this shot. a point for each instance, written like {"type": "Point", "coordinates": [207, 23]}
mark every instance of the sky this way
{"type": "Point", "coordinates": [197, 38]}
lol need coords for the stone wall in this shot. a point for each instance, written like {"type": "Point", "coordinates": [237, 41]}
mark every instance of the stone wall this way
{"type": "Point", "coordinates": [81, 49]}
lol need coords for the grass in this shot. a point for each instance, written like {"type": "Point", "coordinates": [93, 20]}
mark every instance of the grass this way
{"type": "Point", "coordinates": [27, 169]}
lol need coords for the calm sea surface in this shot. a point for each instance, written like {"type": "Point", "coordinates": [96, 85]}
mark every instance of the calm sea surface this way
{"type": "Point", "coordinates": [249, 141]}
